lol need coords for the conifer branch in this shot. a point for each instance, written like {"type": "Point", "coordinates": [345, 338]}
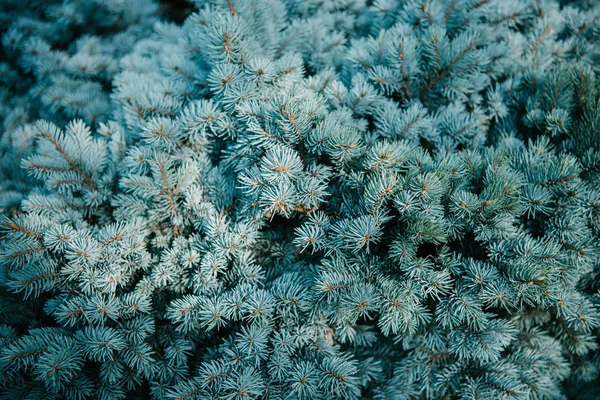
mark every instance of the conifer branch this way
{"type": "Point", "coordinates": [86, 179]}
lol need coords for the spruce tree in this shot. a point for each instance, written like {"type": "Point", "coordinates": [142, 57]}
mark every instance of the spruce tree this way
{"type": "Point", "coordinates": [300, 199]}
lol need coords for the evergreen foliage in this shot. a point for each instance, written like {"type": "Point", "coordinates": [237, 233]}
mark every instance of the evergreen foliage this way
{"type": "Point", "coordinates": [300, 199]}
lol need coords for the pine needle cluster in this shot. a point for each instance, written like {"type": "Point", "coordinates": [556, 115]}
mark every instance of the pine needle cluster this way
{"type": "Point", "coordinates": [300, 199]}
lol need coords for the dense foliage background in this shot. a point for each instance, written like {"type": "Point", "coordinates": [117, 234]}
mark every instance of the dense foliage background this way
{"type": "Point", "coordinates": [299, 199]}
